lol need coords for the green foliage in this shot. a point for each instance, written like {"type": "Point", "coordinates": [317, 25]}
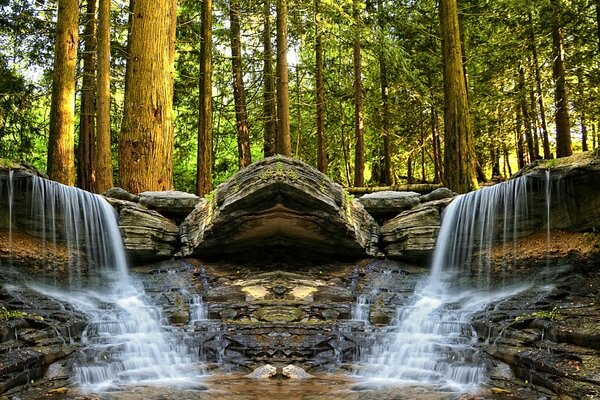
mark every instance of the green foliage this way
{"type": "Point", "coordinates": [551, 315]}
{"type": "Point", "coordinates": [6, 315]}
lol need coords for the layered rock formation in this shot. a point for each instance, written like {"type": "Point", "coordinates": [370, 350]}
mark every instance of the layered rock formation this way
{"type": "Point", "coordinates": [279, 203]}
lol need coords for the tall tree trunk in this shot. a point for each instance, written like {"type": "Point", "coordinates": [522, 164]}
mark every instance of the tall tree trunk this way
{"type": "Point", "coordinates": [321, 146]}
{"type": "Point", "coordinates": [87, 117]}
{"type": "Point", "coordinates": [582, 106]}
{"type": "Point", "coordinates": [534, 122]}
{"type": "Point", "coordinates": [269, 101]}
{"type": "Point", "coordinates": [146, 140]}
{"type": "Point", "coordinates": [525, 113]}
{"type": "Point", "coordinates": [459, 158]}
{"type": "Point", "coordinates": [594, 137]}
{"type": "Point", "coordinates": [284, 140]}
{"type": "Point", "coordinates": [385, 100]}
{"type": "Point", "coordinates": [61, 147]}
{"type": "Point", "coordinates": [204, 168]}
{"type": "Point", "coordinates": [538, 84]}
{"type": "Point", "coordinates": [103, 160]}
{"type": "Point", "coordinates": [359, 134]}
{"type": "Point", "coordinates": [437, 165]}
{"type": "Point", "coordinates": [239, 95]}
{"type": "Point", "coordinates": [563, 125]}
{"type": "Point", "coordinates": [520, 141]}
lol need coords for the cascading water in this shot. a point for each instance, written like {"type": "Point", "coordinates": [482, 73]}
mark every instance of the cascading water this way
{"type": "Point", "coordinates": [433, 342]}
{"type": "Point", "coordinates": [124, 341]}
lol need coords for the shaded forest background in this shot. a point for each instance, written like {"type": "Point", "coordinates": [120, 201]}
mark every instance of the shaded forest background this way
{"type": "Point", "coordinates": [510, 50]}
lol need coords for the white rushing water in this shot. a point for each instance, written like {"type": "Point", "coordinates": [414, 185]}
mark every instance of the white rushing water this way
{"type": "Point", "coordinates": [433, 342]}
{"type": "Point", "coordinates": [360, 309]}
{"type": "Point", "coordinates": [125, 341]}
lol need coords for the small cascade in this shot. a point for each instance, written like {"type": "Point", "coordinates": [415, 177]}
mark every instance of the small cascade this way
{"type": "Point", "coordinates": [125, 341]}
{"type": "Point", "coordinates": [433, 342]}
{"type": "Point", "coordinates": [198, 310]}
{"type": "Point", "coordinates": [360, 309]}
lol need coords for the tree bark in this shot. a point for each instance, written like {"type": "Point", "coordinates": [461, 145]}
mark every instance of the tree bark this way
{"type": "Point", "coordinates": [87, 117]}
{"type": "Point", "coordinates": [563, 125]}
{"type": "Point", "coordinates": [598, 23]}
{"type": "Point", "coordinates": [520, 141]}
{"type": "Point", "coordinates": [239, 95]}
{"type": "Point", "coordinates": [359, 135]}
{"type": "Point", "coordinates": [582, 106]}
{"type": "Point", "coordinates": [146, 140]}
{"type": "Point", "coordinates": [269, 101]}
{"type": "Point", "coordinates": [385, 101]}
{"type": "Point", "coordinates": [284, 140]}
{"type": "Point", "coordinates": [103, 160]}
{"type": "Point", "coordinates": [459, 159]}
{"type": "Point", "coordinates": [204, 169]}
{"type": "Point", "coordinates": [539, 94]}
{"type": "Point", "coordinates": [320, 98]}
{"type": "Point", "coordinates": [61, 147]}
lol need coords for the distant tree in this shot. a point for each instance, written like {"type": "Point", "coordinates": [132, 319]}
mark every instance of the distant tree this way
{"type": "Point", "coordinates": [204, 169]}
{"type": "Point", "coordinates": [103, 161]}
{"type": "Point", "coordinates": [386, 179]}
{"type": "Point", "coordinates": [146, 140]}
{"type": "Point", "coordinates": [87, 117]}
{"type": "Point", "coordinates": [459, 158]}
{"type": "Point", "coordinates": [284, 141]}
{"type": "Point", "coordinates": [61, 148]}
{"type": "Point", "coordinates": [239, 94]}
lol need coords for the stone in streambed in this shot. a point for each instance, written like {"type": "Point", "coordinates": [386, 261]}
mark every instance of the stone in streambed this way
{"type": "Point", "coordinates": [263, 372]}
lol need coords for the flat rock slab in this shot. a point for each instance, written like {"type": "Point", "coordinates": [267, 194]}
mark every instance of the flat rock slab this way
{"type": "Point", "coordinates": [279, 203]}
{"type": "Point", "coordinates": [389, 202]}
{"type": "Point", "coordinates": [171, 202]}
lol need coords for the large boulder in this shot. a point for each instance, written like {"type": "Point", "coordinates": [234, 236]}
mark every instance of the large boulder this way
{"type": "Point", "coordinates": [147, 235]}
{"type": "Point", "coordinates": [170, 202]}
{"type": "Point", "coordinates": [389, 202]}
{"type": "Point", "coordinates": [279, 206]}
{"type": "Point", "coordinates": [411, 235]}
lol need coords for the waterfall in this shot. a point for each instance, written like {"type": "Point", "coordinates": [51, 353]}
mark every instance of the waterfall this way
{"type": "Point", "coordinates": [125, 341]}
{"type": "Point", "coordinates": [433, 342]}
{"type": "Point", "coordinates": [360, 310]}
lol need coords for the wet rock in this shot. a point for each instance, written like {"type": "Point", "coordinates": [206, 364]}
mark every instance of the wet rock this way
{"type": "Point", "coordinates": [170, 202]}
{"type": "Point", "coordinates": [263, 372]}
{"type": "Point", "coordinates": [274, 204]}
{"type": "Point", "coordinates": [295, 372]}
{"type": "Point", "coordinates": [388, 203]}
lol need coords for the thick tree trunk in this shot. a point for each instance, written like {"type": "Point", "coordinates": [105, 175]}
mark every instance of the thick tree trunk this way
{"type": "Point", "coordinates": [146, 140]}
{"type": "Point", "coordinates": [359, 134]}
{"type": "Point", "coordinates": [321, 145]}
{"type": "Point", "coordinates": [539, 93]}
{"type": "Point", "coordinates": [103, 161]}
{"type": "Point", "coordinates": [269, 101]}
{"type": "Point", "coordinates": [563, 125]}
{"type": "Point", "coordinates": [87, 117]}
{"type": "Point", "coordinates": [61, 147]}
{"type": "Point", "coordinates": [459, 159]}
{"type": "Point", "coordinates": [204, 169]}
{"type": "Point", "coordinates": [239, 95]}
{"type": "Point", "coordinates": [284, 140]}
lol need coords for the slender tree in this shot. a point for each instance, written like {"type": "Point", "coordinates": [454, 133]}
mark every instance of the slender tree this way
{"type": "Point", "coordinates": [103, 161]}
{"type": "Point", "coordinates": [61, 148]}
{"type": "Point", "coordinates": [239, 94]}
{"type": "Point", "coordinates": [320, 98]}
{"type": "Point", "coordinates": [459, 159]}
{"type": "Point", "coordinates": [146, 140]}
{"type": "Point", "coordinates": [385, 100]}
{"type": "Point", "coordinates": [204, 170]}
{"type": "Point", "coordinates": [284, 142]}
{"type": "Point", "coordinates": [563, 125]}
{"type": "Point", "coordinates": [525, 112]}
{"type": "Point", "coordinates": [359, 134]}
{"type": "Point", "coordinates": [87, 117]}
{"type": "Point", "coordinates": [269, 100]}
